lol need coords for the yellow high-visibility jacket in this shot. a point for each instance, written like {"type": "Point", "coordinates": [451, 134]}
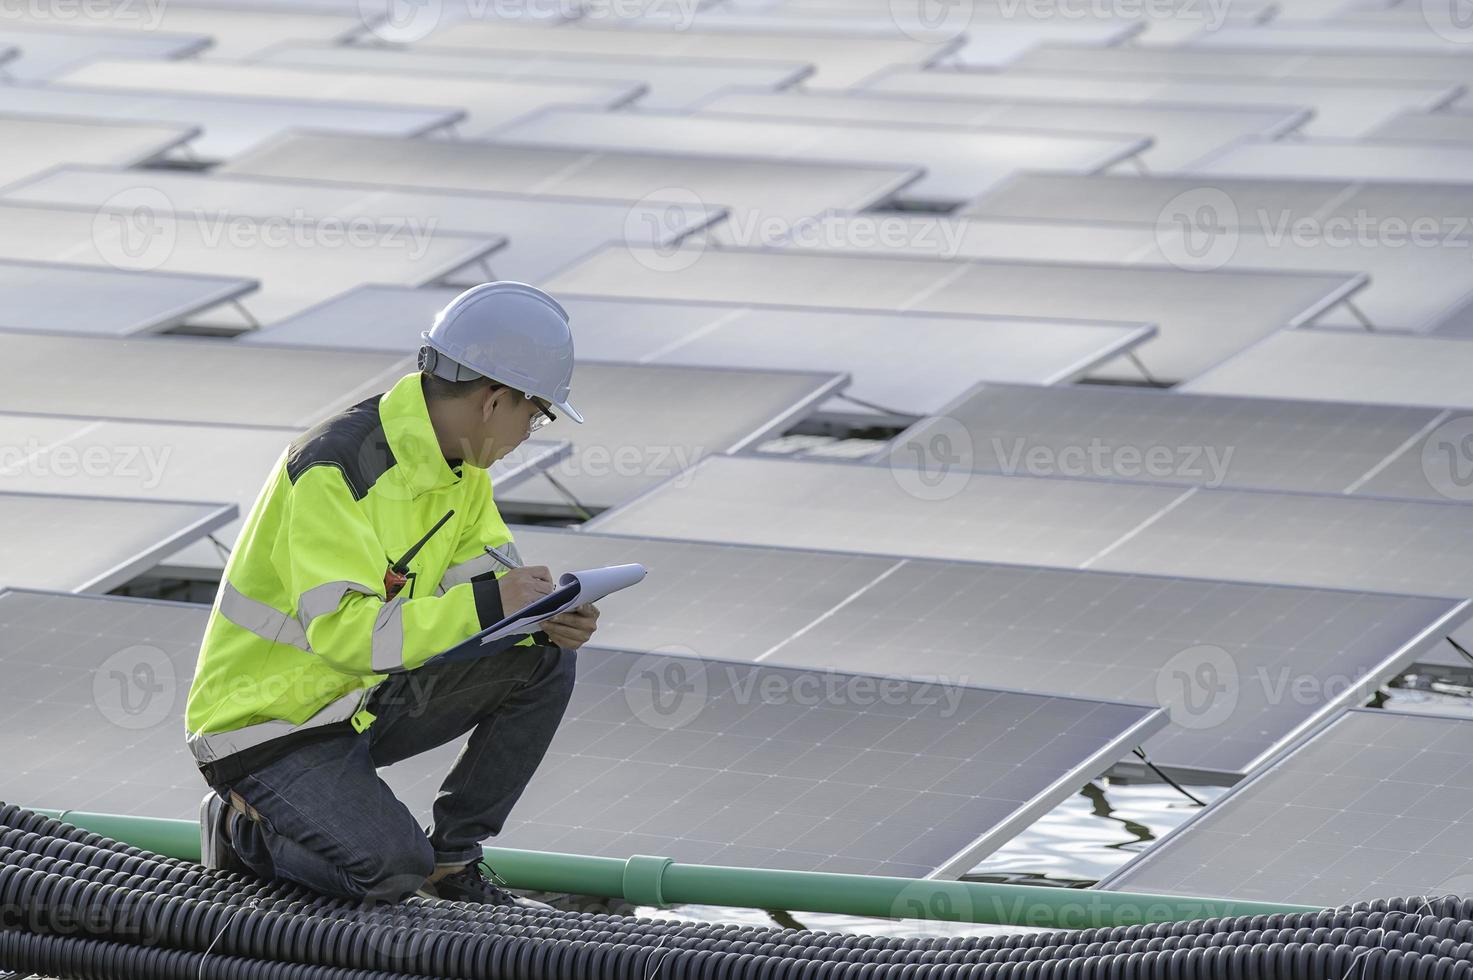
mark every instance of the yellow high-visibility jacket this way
{"type": "Point", "coordinates": [301, 628]}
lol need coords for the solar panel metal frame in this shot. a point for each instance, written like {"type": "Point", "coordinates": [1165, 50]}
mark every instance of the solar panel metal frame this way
{"type": "Point", "coordinates": [1140, 395]}
{"type": "Point", "coordinates": [901, 177]}
{"type": "Point", "coordinates": [1158, 247]}
{"type": "Point", "coordinates": [329, 405]}
{"type": "Point", "coordinates": [1128, 147]}
{"type": "Point", "coordinates": [169, 45]}
{"type": "Point", "coordinates": [1097, 197]}
{"type": "Point", "coordinates": [476, 247]}
{"type": "Point", "coordinates": [17, 191]}
{"type": "Point", "coordinates": [432, 120]}
{"type": "Point", "coordinates": [1201, 49]}
{"type": "Point", "coordinates": [1276, 92]}
{"type": "Point", "coordinates": [1150, 720]}
{"type": "Point", "coordinates": [1206, 382]}
{"type": "Point", "coordinates": [1395, 661]}
{"type": "Point", "coordinates": [226, 290]}
{"type": "Point", "coordinates": [1221, 163]}
{"type": "Point", "coordinates": [352, 25]}
{"type": "Point", "coordinates": [621, 94]}
{"type": "Point", "coordinates": [963, 860]}
{"type": "Point", "coordinates": [1291, 121]}
{"type": "Point", "coordinates": [601, 521]}
{"type": "Point", "coordinates": [1349, 286]}
{"type": "Point", "coordinates": [183, 133]}
{"type": "Point", "coordinates": [938, 51]}
{"type": "Point", "coordinates": [217, 516]}
{"type": "Point", "coordinates": [765, 429]}
{"type": "Point", "coordinates": [790, 73]}
{"type": "Point", "coordinates": [1120, 878]}
{"type": "Point", "coordinates": [279, 333]}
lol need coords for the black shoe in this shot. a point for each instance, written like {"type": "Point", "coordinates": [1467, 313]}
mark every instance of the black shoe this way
{"type": "Point", "coordinates": [476, 886]}
{"type": "Point", "coordinates": [215, 850]}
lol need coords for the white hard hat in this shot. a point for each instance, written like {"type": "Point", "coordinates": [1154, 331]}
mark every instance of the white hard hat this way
{"type": "Point", "coordinates": [506, 331]}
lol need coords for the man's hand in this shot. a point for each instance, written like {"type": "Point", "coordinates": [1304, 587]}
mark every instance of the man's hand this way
{"type": "Point", "coordinates": [572, 629]}
{"type": "Point", "coordinates": [521, 586]}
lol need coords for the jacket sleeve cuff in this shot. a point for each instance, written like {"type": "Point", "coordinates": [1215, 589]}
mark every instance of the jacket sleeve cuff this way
{"type": "Point", "coordinates": [488, 601]}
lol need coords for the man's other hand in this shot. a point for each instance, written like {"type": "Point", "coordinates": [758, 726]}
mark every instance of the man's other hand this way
{"type": "Point", "coordinates": [522, 586]}
{"type": "Point", "coordinates": [572, 629]}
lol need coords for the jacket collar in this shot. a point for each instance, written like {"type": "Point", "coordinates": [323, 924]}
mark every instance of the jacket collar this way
{"type": "Point", "coordinates": [411, 437]}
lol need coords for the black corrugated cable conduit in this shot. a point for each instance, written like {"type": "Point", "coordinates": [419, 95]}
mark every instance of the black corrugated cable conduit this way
{"type": "Point", "coordinates": [75, 904]}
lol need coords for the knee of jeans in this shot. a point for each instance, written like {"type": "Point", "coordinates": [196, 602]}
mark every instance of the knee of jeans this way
{"type": "Point", "coordinates": [394, 872]}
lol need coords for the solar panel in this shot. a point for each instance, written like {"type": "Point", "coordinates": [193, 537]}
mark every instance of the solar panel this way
{"type": "Point", "coordinates": [1202, 316]}
{"type": "Point", "coordinates": [227, 124]}
{"type": "Point", "coordinates": [1341, 110]}
{"type": "Point", "coordinates": [757, 190]}
{"type": "Point", "coordinates": [487, 102]}
{"type": "Point", "coordinates": [1333, 365]}
{"type": "Point", "coordinates": [33, 146]}
{"type": "Point", "coordinates": [742, 766]}
{"type": "Point", "coordinates": [43, 53]}
{"type": "Point", "coordinates": [1350, 37]}
{"type": "Point", "coordinates": [113, 674]}
{"type": "Point", "coordinates": [1447, 126]}
{"type": "Point", "coordinates": [1180, 134]}
{"type": "Point", "coordinates": [1234, 52]}
{"type": "Point", "coordinates": [1376, 804]}
{"type": "Point", "coordinates": [177, 461]}
{"type": "Point", "coordinates": [1408, 288]}
{"type": "Point", "coordinates": [50, 297]}
{"type": "Point", "coordinates": [1333, 206]}
{"type": "Point", "coordinates": [632, 440]}
{"type": "Point", "coordinates": [958, 165]}
{"type": "Point", "coordinates": [673, 83]}
{"type": "Point", "coordinates": [93, 543]}
{"type": "Point", "coordinates": [987, 44]}
{"type": "Point", "coordinates": [296, 264]}
{"type": "Point", "coordinates": [161, 380]}
{"type": "Point", "coordinates": [1172, 437]}
{"type": "Point", "coordinates": [235, 31]}
{"type": "Point", "coordinates": [910, 363]}
{"type": "Point", "coordinates": [544, 234]}
{"type": "Point", "coordinates": [837, 59]}
{"type": "Point", "coordinates": [1344, 160]}
{"type": "Point", "coordinates": [1412, 547]}
{"type": "Point", "coordinates": [1057, 632]}
{"type": "Point", "coordinates": [874, 510]}
{"type": "Point", "coordinates": [743, 772]}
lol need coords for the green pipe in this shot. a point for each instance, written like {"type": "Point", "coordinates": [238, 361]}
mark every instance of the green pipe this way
{"type": "Point", "coordinates": [660, 882]}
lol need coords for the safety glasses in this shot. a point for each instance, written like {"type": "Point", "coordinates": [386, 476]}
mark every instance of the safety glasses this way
{"type": "Point", "coordinates": [543, 417]}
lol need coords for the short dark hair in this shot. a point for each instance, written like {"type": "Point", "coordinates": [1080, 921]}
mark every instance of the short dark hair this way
{"type": "Point", "coordinates": [438, 389]}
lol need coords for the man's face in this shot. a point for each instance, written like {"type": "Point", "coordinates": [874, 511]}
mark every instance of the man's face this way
{"type": "Point", "coordinates": [506, 422]}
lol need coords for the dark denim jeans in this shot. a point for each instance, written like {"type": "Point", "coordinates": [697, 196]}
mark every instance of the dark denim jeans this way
{"type": "Point", "coordinates": [328, 821]}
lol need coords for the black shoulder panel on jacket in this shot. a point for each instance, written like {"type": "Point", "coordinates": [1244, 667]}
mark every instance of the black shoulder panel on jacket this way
{"type": "Point", "coordinates": [352, 440]}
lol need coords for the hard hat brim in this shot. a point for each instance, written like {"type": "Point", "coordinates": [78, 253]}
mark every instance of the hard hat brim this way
{"type": "Point", "coordinates": [565, 409]}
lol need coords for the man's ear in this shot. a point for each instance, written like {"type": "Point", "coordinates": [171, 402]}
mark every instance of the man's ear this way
{"type": "Point", "coordinates": [488, 401]}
